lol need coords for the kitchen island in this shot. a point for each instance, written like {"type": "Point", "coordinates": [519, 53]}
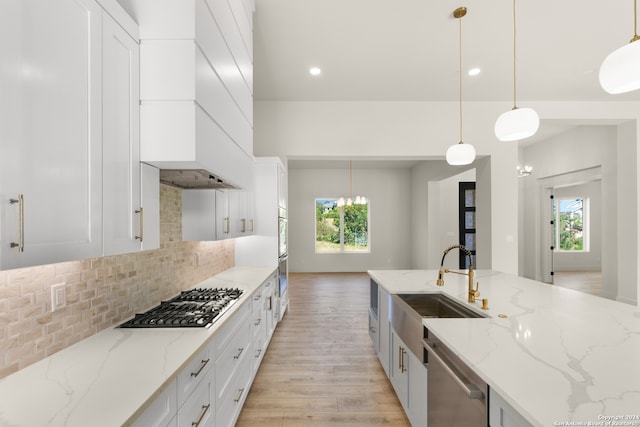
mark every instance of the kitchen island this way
{"type": "Point", "coordinates": [560, 357]}
{"type": "Point", "coordinates": [112, 377]}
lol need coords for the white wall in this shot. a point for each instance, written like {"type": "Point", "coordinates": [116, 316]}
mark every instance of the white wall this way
{"type": "Point", "coordinates": [388, 191]}
{"type": "Point", "coordinates": [586, 154]}
{"type": "Point", "coordinates": [425, 130]}
{"type": "Point", "coordinates": [590, 259]}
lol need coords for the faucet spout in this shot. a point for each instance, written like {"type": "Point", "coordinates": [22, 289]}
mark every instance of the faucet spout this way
{"type": "Point", "coordinates": [472, 293]}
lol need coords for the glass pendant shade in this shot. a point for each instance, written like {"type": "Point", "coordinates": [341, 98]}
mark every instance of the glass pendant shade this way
{"type": "Point", "coordinates": [516, 124]}
{"type": "Point", "coordinates": [620, 71]}
{"type": "Point", "coordinates": [461, 154]}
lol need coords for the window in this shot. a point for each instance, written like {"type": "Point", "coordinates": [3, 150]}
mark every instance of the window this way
{"type": "Point", "coordinates": [467, 221]}
{"type": "Point", "coordinates": [341, 229]}
{"type": "Point", "coordinates": [570, 224]}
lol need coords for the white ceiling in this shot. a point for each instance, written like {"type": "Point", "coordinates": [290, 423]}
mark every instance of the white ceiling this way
{"type": "Point", "coordinates": [407, 50]}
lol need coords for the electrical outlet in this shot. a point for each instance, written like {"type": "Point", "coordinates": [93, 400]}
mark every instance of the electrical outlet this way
{"type": "Point", "coordinates": [58, 296]}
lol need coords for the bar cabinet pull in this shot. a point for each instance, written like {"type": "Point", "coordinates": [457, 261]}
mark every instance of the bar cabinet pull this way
{"type": "Point", "coordinates": [20, 202]}
{"type": "Point", "coordinates": [203, 364]}
{"type": "Point", "coordinates": [141, 212]}
{"type": "Point", "coordinates": [205, 408]}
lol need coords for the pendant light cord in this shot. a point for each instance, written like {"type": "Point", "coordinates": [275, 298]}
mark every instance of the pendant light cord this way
{"type": "Point", "coordinates": [460, 72]}
{"type": "Point", "coordinates": [635, 22]}
{"type": "Point", "coordinates": [350, 181]}
{"type": "Point", "coordinates": [514, 55]}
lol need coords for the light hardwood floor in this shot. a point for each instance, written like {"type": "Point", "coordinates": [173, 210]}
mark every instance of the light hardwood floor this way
{"type": "Point", "coordinates": [320, 368]}
{"type": "Point", "coordinates": [584, 281]}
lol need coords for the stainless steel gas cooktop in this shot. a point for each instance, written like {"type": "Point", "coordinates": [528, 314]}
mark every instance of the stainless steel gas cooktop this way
{"type": "Point", "coordinates": [198, 307]}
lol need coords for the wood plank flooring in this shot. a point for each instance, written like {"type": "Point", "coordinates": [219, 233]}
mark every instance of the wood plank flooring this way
{"type": "Point", "coordinates": [584, 281]}
{"type": "Point", "coordinates": [320, 368]}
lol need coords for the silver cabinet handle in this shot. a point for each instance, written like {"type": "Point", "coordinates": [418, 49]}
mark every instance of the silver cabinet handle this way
{"type": "Point", "coordinates": [141, 212]}
{"type": "Point", "coordinates": [240, 350]}
{"type": "Point", "coordinates": [205, 408]}
{"type": "Point", "coordinates": [225, 225]}
{"type": "Point", "coordinates": [237, 399]}
{"type": "Point", "coordinates": [270, 303]}
{"type": "Point", "coordinates": [258, 351]}
{"type": "Point", "coordinates": [258, 322]}
{"type": "Point", "coordinates": [243, 225]}
{"type": "Point", "coordinates": [470, 389]}
{"type": "Point", "coordinates": [203, 364]}
{"type": "Point", "coordinates": [402, 353]}
{"type": "Point", "coordinates": [20, 202]}
{"type": "Point", "coordinates": [251, 225]}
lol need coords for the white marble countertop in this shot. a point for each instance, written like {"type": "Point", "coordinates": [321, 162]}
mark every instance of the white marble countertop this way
{"type": "Point", "coordinates": [110, 377]}
{"type": "Point", "coordinates": [561, 357]}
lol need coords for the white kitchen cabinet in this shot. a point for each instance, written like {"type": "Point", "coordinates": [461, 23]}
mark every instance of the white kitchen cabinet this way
{"type": "Point", "coordinates": [398, 370]}
{"type": "Point", "coordinates": [259, 326]}
{"type": "Point", "coordinates": [150, 219]}
{"type": "Point", "coordinates": [162, 411]}
{"type": "Point", "coordinates": [196, 87]}
{"type": "Point", "coordinates": [417, 394]}
{"type": "Point", "coordinates": [233, 218]}
{"type": "Point", "coordinates": [199, 408]}
{"type": "Point", "coordinates": [502, 414]}
{"type": "Point", "coordinates": [269, 195]}
{"type": "Point", "coordinates": [407, 373]}
{"type": "Point", "coordinates": [216, 214]}
{"type": "Point", "coordinates": [50, 134]}
{"type": "Point", "coordinates": [123, 216]}
{"type": "Point", "coordinates": [199, 215]}
{"type": "Point", "coordinates": [384, 327]}
{"type": "Point", "coordinates": [409, 379]}
{"type": "Point", "coordinates": [233, 370]}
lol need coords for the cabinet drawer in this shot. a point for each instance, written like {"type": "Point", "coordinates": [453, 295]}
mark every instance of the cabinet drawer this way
{"type": "Point", "coordinates": [501, 414]}
{"type": "Point", "coordinates": [229, 404]}
{"type": "Point", "coordinates": [162, 410]}
{"type": "Point", "coordinates": [190, 377]}
{"type": "Point", "coordinates": [232, 357]}
{"type": "Point", "coordinates": [258, 351]}
{"type": "Point", "coordinates": [198, 410]}
{"type": "Point", "coordinates": [228, 331]}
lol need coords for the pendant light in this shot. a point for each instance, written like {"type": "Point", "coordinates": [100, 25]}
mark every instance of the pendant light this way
{"type": "Point", "coordinates": [359, 200]}
{"type": "Point", "coordinates": [460, 153]}
{"type": "Point", "coordinates": [518, 123]}
{"type": "Point", "coordinates": [620, 71]}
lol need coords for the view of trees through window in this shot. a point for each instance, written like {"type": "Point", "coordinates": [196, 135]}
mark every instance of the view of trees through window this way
{"type": "Point", "coordinates": [569, 224]}
{"type": "Point", "coordinates": [341, 229]}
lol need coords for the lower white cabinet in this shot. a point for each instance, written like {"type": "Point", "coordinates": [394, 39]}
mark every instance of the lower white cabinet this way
{"type": "Point", "coordinates": [417, 394]}
{"type": "Point", "coordinates": [398, 372]}
{"type": "Point", "coordinates": [212, 387]}
{"type": "Point", "coordinates": [198, 410]}
{"type": "Point", "coordinates": [216, 214]}
{"type": "Point", "coordinates": [162, 411]}
{"type": "Point", "coordinates": [407, 373]}
{"type": "Point", "coordinates": [501, 414]}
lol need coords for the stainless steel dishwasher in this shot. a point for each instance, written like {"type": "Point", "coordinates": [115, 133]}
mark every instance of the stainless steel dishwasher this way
{"type": "Point", "coordinates": [456, 396]}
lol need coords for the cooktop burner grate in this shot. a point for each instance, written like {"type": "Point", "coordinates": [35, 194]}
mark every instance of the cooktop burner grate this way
{"type": "Point", "coordinates": [198, 307]}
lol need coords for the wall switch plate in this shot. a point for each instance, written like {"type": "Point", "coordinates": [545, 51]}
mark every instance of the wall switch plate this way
{"type": "Point", "coordinates": [58, 296]}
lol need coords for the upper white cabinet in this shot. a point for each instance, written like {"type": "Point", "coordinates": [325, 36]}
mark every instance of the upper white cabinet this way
{"type": "Point", "coordinates": [123, 216]}
{"type": "Point", "coordinates": [131, 192]}
{"type": "Point", "coordinates": [70, 174]}
{"type": "Point", "coordinates": [216, 215]}
{"type": "Point", "coordinates": [50, 131]}
{"type": "Point", "coordinates": [196, 86]}
{"type": "Point", "coordinates": [270, 188]}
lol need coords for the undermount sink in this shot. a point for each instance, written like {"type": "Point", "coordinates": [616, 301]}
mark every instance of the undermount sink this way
{"type": "Point", "coordinates": [437, 305]}
{"type": "Point", "coordinates": [408, 310]}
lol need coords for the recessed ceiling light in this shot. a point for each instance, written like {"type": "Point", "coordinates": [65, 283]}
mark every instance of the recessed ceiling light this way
{"type": "Point", "coordinates": [474, 71]}
{"type": "Point", "coordinates": [315, 71]}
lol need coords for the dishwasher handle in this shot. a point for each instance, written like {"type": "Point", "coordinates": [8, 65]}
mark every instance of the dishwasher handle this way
{"type": "Point", "coordinates": [470, 389]}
